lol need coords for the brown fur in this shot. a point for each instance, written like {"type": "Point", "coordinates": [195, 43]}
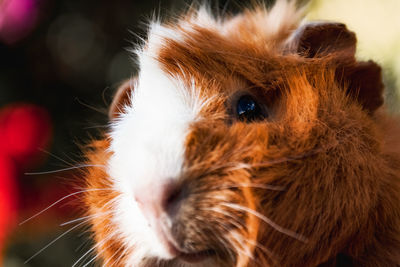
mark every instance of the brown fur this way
{"type": "Point", "coordinates": [98, 200]}
{"type": "Point", "coordinates": [334, 154]}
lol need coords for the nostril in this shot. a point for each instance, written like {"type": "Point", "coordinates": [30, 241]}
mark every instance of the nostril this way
{"type": "Point", "coordinates": [173, 196]}
{"type": "Point", "coordinates": [164, 198]}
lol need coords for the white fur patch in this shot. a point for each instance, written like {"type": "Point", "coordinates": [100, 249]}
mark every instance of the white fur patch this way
{"type": "Point", "coordinates": [282, 18]}
{"type": "Point", "coordinates": [148, 147]}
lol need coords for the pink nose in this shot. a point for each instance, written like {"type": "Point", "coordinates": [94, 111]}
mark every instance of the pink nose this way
{"type": "Point", "coordinates": [159, 199]}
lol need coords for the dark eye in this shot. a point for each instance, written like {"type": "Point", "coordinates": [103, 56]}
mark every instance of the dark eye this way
{"type": "Point", "coordinates": [248, 110]}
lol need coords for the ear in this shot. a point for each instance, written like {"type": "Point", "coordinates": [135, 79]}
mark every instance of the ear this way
{"type": "Point", "coordinates": [364, 83]}
{"type": "Point", "coordinates": [318, 39]}
{"type": "Point", "coordinates": [335, 42]}
{"type": "Point", "coordinates": [121, 99]}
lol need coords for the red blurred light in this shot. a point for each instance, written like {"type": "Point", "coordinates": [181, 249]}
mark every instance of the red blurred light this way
{"type": "Point", "coordinates": [8, 197]}
{"type": "Point", "coordinates": [24, 130]}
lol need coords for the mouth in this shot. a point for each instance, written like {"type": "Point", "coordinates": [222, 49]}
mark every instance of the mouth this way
{"type": "Point", "coordinates": [189, 257]}
{"type": "Point", "coordinates": [192, 257]}
{"type": "Point", "coordinates": [179, 253]}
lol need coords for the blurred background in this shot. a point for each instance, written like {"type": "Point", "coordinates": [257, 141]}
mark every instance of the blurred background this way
{"type": "Point", "coordinates": [60, 62]}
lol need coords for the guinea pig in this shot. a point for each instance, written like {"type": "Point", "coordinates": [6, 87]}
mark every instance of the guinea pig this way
{"type": "Point", "coordinates": [255, 139]}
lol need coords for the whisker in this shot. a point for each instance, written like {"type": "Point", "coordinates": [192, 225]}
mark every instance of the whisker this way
{"type": "Point", "coordinates": [87, 252]}
{"type": "Point", "coordinates": [268, 221]}
{"type": "Point", "coordinates": [85, 218]}
{"type": "Point", "coordinates": [240, 248]}
{"type": "Point", "coordinates": [52, 242]}
{"type": "Point", "coordinates": [116, 261]}
{"type": "Point", "coordinates": [112, 256]}
{"type": "Point", "coordinates": [222, 240]}
{"type": "Point", "coordinates": [93, 248]}
{"type": "Point", "coordinates": [99, 110]}
{"type": "Point", "coordinates": [87, 231]}
{"type": "Point", "coordinates": [234, 221]}
{"type": "Point", "coordinates": [104, 240]}
{"type": "Point", "coordinates": [230, 166]}
{"type": "Point", "coordinates": [94, 257]}
{"type": "Point", "coordinates": [268, 252]}
{"type": "Point", "coordinates": [63, 198]}
{"type": "Point", "coordinates": [85, 242]}
{"type": "Point", "coordinates": [55, 156]}
{"type": "Point", "coordinates": [64, 169]}
{"type": "Point", "coordinates": [239, 239]}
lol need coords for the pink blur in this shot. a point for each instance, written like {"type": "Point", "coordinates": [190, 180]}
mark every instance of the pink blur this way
{"type": "Point", "coordinates": [17, 19]}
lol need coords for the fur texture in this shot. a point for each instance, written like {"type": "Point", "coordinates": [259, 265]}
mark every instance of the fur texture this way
{"type": "Point", "coordinates": [315, 183]}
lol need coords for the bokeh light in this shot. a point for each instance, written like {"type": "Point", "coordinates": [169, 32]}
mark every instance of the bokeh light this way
{"type": "Point", "coordinates": [76, 42]}
{"type": "Point", "coordinates": [8, 198]}
{"type": "Point", "coordinates": [17, 19]}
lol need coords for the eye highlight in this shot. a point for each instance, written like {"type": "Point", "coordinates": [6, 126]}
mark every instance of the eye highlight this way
{"type": "Point", "coordinates": [248, 110]}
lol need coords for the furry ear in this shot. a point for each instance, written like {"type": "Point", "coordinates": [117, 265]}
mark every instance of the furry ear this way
{"type": "Point", "coordinates": [335, 42]}
{"type": "Point", "coordinates": [121, 98]}
{"type": "Point", "coordinates": [317, 39]}
{"type": "Point", "coordinates": [364, 83]}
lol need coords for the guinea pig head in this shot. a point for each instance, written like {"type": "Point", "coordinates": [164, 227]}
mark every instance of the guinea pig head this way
{"type": "Point", "coordinates": [244, 141]}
